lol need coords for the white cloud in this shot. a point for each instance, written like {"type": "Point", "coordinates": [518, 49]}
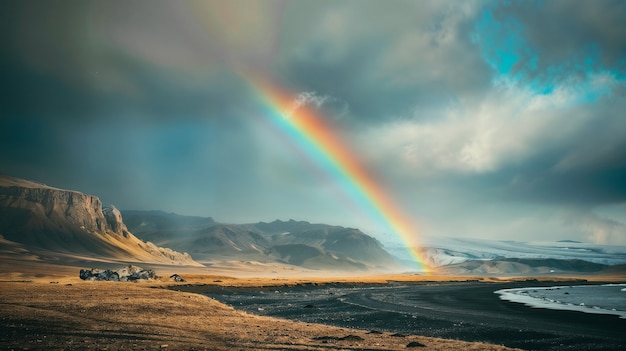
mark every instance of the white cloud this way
{"type": "Point", "coordinates": [329, 106]}
{"type": "Point", "coordinates": [309, 98]}
{"type": "Point", "coordinates": [510, 124]}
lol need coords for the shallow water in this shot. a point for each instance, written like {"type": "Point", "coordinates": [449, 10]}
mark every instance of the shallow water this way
{"type": "Point", "coordinates": [598, 299]}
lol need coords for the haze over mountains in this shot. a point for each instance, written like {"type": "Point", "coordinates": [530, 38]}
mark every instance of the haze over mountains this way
{"type": "Point", "coordinates": [47, 224]}
{"type": "Point", "coordinates": [300, 243]}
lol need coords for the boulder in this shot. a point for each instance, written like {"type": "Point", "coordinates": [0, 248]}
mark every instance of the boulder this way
{"type": "Point", "coordinates": [86, 274]}
{"type": "Point", "coordinates": [128, 273]}
{"type": "Point", "coordinates": [129, 270]}
{"type": "Point", "coordinates": [142, 275]}
{"type": "Point", "coordinates": [108, 275]}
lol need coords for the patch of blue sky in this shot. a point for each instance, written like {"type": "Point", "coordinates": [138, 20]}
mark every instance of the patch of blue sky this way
{"type": "Point", "coordinates": [501, 43]}
{"type": "Point", "coordinates": [505, 49]}
{"type": "Point", "coordinates": [505, 61]}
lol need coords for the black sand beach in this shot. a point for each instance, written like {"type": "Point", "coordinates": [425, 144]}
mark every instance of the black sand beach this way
{"type": "Point", "coordinates": [468, 311]}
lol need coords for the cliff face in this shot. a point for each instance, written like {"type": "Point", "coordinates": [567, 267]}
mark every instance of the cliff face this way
{"type": "Point", "coordinates": [84, 211]}
{"type": "Point", "coordinates": [52, 219]}
{"type": "Point", "coordinates": [114, 220]}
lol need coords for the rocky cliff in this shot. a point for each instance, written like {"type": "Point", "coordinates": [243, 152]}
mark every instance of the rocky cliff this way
{"type": "Point", "coordinates": [114, 220]}
{"type": "Point", "coordinates": [56, 220]}
{"type": "Point", "coordinates": [79, 209]}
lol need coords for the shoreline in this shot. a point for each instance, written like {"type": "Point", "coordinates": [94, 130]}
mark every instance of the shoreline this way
{"type": "Point", "coordinates": [47, 306]}
{"type": "Point", "coordinates": [525, 297]}
{"type": "Point", "coordinates": [461, 310]}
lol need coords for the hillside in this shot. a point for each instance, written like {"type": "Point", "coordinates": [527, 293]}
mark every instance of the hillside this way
{"type": "Point", "coordinates": [50, 223]}
{"type": "Point", "coordinates": [300, 243]}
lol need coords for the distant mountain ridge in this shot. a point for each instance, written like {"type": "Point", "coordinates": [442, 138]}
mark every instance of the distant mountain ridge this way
{"type": "Point", "coordinates": [524, 266]}
{"type": "Point", "coordinates": [39, 222]}
{"type": "Point", "coordinates": [47, 219]}
{"type": "Point", "coordinates": [471, 256]}
{"type": "Point", "coordinates": [442, 251]}
{"type": "Point", "coordinates": [309, 245]}
{"type": "Point", "coordinates": [47, 223]}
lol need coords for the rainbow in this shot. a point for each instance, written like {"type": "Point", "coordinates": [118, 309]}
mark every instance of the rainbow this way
{"type": "Point", "coordinates": [306, 127]}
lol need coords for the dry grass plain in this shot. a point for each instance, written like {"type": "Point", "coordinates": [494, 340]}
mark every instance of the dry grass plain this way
{"type": "Point", "coordinates": [143, 316]}
{"type": "Point", "coordinates": [43, 311]}
{"type": "Point", "coordinates": [47, 307]}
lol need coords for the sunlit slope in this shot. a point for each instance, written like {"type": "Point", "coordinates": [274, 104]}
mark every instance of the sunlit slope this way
{"type": "Point", "coordinates": [300, 243]}
{"type": "Point", "coordinates": [61, 223]}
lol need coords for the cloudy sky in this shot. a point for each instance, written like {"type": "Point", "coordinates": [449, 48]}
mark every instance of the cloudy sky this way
{"type": "Point", "coordinates": [501, 120]}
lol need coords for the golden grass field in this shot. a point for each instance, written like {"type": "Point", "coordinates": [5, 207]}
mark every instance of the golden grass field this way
{"type": "Point", "coordinates": [142, 316]}
{"type": "Point", "coordinates": [58, 311]}
{"type": "Point", "coordinates": [47, 311]}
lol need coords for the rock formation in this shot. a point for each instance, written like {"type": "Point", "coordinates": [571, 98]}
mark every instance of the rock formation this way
{"type": "Point", "coordinates": [72, 223]}
{"type": "Point", "coordinates": [84, 211]}
{"type": "Point", "coordinates": [126, 274]}
{"type": "Point", "coordinates": [114, 220]}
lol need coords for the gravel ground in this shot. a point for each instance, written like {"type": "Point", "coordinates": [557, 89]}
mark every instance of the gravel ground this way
{"type": "Point", "coordinates": [468, 311]}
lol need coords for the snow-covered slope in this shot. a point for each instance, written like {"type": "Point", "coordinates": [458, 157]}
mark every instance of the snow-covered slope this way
{"type": "Point", "coordinates": [445, 251]}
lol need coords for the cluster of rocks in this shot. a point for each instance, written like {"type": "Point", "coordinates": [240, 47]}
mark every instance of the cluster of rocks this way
{"type": "Point", "coordinates": [129, 273]}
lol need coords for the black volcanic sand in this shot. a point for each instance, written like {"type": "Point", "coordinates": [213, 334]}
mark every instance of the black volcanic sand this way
{"type": "Point", "coordinates": [468, 311]}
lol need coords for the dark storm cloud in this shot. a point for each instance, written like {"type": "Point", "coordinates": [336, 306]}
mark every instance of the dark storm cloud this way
{"type": "Point", "coordinates": [411, 58]}
{"type": "Point", "coordinates": [156, 93]}
{"type": "Point", "coordinates": [587, 187]}
{"type": "Point", "coordinates": [45, 112]}
{"type": "Point", "coordinates": [82, 111]}
{"type": "Point", "coordinates": [586, 168]}
{"type": "Point", "coordinates": [563, 44]}
{"type": "Point", "coordinates": [146, 104]}
{"type": "Point", "coordinates": [35, 110]}
{"type": "Point", "coordinates": [596, 178]}
{"type": "Point", "coordinates": [59, 72]}
{"type": "Point", "coordinates": [537, 181]}
{"type": "Point", "coordinates": [560, 38]}
{"type": "Point", "coordinates": [560, 149]}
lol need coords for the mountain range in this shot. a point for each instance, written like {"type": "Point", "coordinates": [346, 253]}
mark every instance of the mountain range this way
{"type": "Point", "coordinates": [40, 223]}
{"type": "Point", "coordinates": [47, 223]}
{"type": "Point", "coordinates": [300, 243]}
{"type": "Point", "coordinates": [482, 256]}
